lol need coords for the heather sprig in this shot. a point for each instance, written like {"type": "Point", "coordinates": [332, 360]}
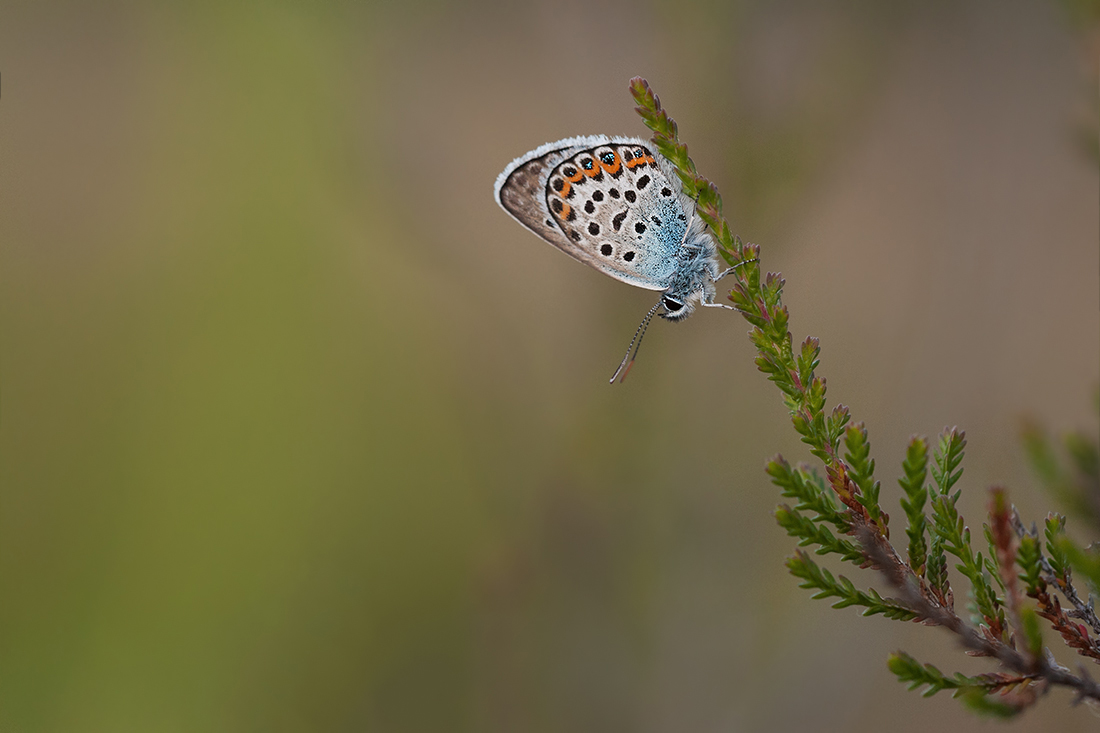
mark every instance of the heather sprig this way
{"type": "Point", "coordinates": [841, 514]}
{"type": "Point", "coordinates": [954, 535]}
{"type": "Point", "coordinates": [815, 576]}
{"type": "Point", "coordinates": [805, 484]}
{"type": "Point", "coordinates": [915, 469]}
{"type": "Point", "coordinates": [810, 531]}
{"type": "Point", "coordinates": [932, 680]}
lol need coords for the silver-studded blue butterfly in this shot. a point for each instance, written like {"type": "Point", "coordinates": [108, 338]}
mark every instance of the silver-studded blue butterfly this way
{"type": "Point", "coordinates": [617, 205]}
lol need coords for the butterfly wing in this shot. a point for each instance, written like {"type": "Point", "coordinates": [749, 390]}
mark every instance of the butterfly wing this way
{"type": "Point", "coordinates": [521, 190]}
{"type": "Point", "coordinates": [609, 202]}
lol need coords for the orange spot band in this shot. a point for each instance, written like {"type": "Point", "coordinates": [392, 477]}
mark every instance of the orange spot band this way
{"type": "Point", "coordinates": [613, 168]}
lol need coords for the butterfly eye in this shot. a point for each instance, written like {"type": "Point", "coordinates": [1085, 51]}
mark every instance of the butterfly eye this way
{"type": "Point", "coordinates": [672, 305]}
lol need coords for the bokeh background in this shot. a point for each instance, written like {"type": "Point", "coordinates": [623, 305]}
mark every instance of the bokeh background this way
{"type": "Point", "coordinates": [300, 432]}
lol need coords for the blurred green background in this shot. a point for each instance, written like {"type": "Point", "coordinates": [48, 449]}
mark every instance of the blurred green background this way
{"type": "Point", "coordinates": [300, 432]}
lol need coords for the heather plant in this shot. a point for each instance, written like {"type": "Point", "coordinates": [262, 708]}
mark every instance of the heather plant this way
{"type": "Point", "coordinates": [1016, 579]}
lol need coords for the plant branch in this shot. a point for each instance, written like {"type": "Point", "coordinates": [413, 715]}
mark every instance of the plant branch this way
{"type": "Point", "coordinates": [1082, 610]}
{"type": "Point", "coordinates": [1042, 666]}
{"type": "Point", "coordinates": [923, 590]}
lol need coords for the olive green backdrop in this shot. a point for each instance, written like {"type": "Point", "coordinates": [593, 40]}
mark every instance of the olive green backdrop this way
{"type": "Point", "coordinates": [300, 432]}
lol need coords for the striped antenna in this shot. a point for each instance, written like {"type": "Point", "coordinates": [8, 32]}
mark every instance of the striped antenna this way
{"type": "Point", "coordinates": [624, 365]}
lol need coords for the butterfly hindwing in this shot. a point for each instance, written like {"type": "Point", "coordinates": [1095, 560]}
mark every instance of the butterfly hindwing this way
{"type": "Point", "coordinates": [520, 190]}
{"type": "Point", "coordinates": [608, 202]}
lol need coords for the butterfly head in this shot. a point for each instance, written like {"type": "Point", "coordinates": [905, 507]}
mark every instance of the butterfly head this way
{"type": "Point", "coordinates": [676, 308]}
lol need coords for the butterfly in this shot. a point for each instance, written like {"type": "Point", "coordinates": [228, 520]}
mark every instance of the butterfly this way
{"type": "Point", "coordinates": [617, 205]}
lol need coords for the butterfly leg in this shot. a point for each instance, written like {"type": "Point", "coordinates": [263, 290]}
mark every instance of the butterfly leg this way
{"type": "Point", "coordinates": [722, 305]}
{"type": "Point", "coordinates": [708, 301]}
{"type": "Point", "coordinates": [734, 267]}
